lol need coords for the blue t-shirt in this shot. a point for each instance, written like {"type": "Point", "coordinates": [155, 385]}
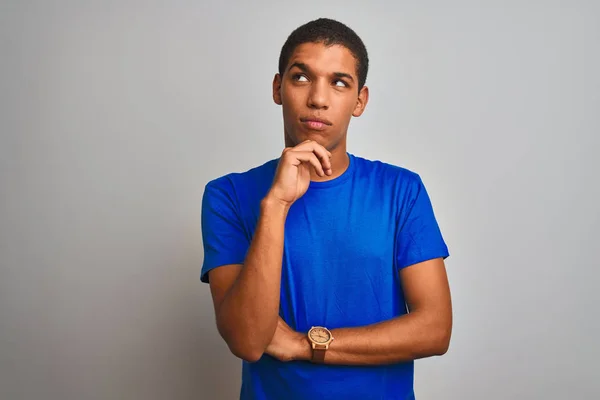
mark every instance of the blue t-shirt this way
{"type": "Point", "coordinates": [345, 241]}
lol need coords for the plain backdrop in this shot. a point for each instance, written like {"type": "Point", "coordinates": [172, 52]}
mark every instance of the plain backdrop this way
{"type": "Point", "coordinates": [115, 114]}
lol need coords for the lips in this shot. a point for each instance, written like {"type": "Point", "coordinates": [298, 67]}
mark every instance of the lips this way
{"type": "Point", "coordinates": [315, 123]}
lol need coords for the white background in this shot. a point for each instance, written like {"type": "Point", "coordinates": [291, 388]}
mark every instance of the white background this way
{"type": "Point", "coordinates": [115, 114]}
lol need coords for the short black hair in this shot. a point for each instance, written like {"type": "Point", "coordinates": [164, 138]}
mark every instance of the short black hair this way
{"type": "Point", "coordinates": [328, 32]}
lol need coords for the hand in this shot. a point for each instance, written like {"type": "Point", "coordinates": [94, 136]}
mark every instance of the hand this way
{"type": "Point", "coordinates": [292, 177]}
{"type": "Point", "coordinates": [287, 344]}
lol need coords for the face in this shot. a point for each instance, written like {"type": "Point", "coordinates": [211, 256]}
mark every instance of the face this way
{"type": "Point", "coordinates": [319, 95]}
{"type": "Point", "coordinates": [319, 335]}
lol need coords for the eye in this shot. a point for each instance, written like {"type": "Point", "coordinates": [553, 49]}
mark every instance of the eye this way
{"type": "Point", "coordinates": [300, 78]}
{"type": "Point", "coordinates": [340, 83]}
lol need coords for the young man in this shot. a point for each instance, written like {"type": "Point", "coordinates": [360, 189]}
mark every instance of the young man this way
{"type": "Point", "coordinates": [326, 269]}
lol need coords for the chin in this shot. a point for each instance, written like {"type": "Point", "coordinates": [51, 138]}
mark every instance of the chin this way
{"type": "Point", "coordinates": [295, 140]}
{"type": "Point", "coordinates": [318, 136]}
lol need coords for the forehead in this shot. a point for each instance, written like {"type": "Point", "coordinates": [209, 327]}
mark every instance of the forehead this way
{"type": "Point", "coordinates": [324, 59]}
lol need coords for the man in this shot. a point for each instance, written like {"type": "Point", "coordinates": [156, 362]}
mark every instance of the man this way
{"type": "Point", "coordinates": [326, 269]}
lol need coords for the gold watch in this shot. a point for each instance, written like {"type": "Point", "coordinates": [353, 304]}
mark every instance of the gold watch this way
{"type": "Point", "coordinates": [320, 338]}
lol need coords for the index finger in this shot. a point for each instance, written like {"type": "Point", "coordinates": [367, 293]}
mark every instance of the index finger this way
{"type": "Point", "coordinates": [321, 152]}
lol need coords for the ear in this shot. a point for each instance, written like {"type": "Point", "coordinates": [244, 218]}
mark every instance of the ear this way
{"type": "Point", "coordinates": [277, 89]}
{"type": "Point", "coordinates": [361, 102]}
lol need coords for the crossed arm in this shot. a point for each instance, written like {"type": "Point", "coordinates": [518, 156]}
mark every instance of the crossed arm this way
{"type": "Point", "coordinates": [424, 332]}
{"type": "Point", "coordinates": [246, 300]}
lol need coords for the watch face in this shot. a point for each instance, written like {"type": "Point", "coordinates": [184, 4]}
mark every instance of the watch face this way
{"type": "Point", "coordinates": [319, 335]}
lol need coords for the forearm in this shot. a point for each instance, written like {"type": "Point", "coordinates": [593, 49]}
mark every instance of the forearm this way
{"type": "Point", "coordinates": [248, 315]}
{"type": "Point", "coordinates": [409, 337]}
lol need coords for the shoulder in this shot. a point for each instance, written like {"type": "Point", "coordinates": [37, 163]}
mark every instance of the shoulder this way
{"type": "Point", "coordinates": [385, 172]}
{"type": "Point", "coordinates": [245, 187]}
{"type": "Point", "coordinates": [249, 178]}
{"type": "Point", "coordinates": [390, 182]}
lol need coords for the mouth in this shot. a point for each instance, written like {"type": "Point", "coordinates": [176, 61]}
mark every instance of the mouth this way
{"type": "Point", "coordinates": [315, 123]}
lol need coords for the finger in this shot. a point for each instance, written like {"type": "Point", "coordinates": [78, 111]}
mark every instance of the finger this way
{"type": "Point", "coordinates": [310, 158]}
{"type": "Point", "coordinates": [306, 157]}
{"type": "Point", "coordinates": [321, 152]}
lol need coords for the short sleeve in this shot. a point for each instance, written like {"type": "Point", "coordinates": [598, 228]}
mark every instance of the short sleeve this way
{"type": "Point", "coordinates": [419, 237]}
{"type": "Point", "coordinates": [223, 235]}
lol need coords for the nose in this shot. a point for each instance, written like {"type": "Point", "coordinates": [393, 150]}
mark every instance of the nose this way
{"type": "Point", "coordinates": [318, 96]}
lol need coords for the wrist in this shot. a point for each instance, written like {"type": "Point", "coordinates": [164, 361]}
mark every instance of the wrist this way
{"type": "Point", "coordinates": [303, 350]}
{"type": "Point", "coordinates": [273, 206]}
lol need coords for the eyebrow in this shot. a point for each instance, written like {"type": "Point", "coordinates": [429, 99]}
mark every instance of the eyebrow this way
{"type": "Point", "coordinates": [305, 68]}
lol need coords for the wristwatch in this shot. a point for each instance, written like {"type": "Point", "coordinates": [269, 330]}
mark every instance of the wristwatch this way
{"type": "Point", "coordinates": [320, 338]}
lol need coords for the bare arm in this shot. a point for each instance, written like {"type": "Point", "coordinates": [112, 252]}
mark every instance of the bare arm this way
{"type": "Point", "coordinates": [424, 332]}
{"type": "Point", "coordinates": [246, 298]}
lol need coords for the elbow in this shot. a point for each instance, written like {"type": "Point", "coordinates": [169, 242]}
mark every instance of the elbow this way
{"type": "Point", "coordinates": [440, 349]}
{"type": "Point", "coordinates": [242, 348]}
{"type": "Point", "coordinates": [247, 354]}
{"type": "Point", "coordinates": [441, 342]}
{"type": "Point", "coordinates": [243, 344]}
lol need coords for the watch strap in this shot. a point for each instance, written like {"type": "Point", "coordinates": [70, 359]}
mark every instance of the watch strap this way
{"type": "Point", "coordinates": [318, 353]}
